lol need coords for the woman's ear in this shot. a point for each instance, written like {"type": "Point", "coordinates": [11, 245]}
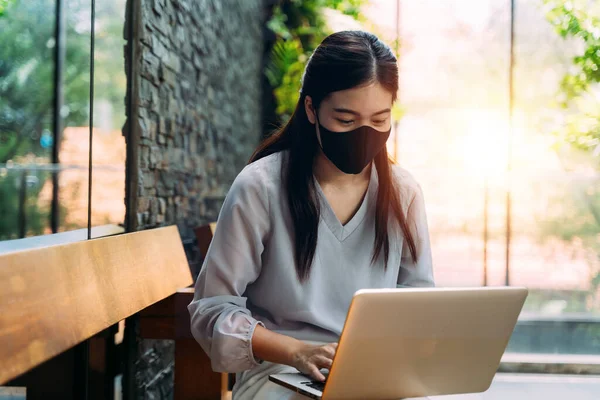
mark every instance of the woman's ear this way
{"type": "Point", "coordinates": [308, 107]}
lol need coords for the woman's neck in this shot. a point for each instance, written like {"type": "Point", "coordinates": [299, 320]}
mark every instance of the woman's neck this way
{"type": "Point", "coordinates": [328, 174]}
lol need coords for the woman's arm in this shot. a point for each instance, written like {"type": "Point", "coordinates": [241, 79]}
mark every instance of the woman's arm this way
{"type": "Point", "coordinates": [220, 320]}
{"type": "Point", "coordinates": [274, 347]}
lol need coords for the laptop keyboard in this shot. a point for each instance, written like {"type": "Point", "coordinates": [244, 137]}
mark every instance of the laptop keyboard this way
{"type": "Point", "coordinates": [315, 385]}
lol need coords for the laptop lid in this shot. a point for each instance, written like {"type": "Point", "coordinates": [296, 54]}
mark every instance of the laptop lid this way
{"type": "Point", "coordinates": [400, 343]}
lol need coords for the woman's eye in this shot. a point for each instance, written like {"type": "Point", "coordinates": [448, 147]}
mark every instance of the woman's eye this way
{"type": "Point", "coordinates": [380, 121]}
{"type": "Point", "coordinates": [345, 121]}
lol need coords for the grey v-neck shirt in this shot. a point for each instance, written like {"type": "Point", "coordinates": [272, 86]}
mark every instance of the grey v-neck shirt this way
{"type": "Point", "coordinates": [249, 274]}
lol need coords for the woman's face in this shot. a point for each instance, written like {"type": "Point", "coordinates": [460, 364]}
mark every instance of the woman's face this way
{"type": "Point", "coordinates": [349, 109]}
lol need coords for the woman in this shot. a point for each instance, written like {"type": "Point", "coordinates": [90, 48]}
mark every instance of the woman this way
{"type": "Point", "coordinates": [319, 213]}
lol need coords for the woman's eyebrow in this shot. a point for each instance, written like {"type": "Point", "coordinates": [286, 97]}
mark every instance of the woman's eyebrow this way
{"type": "Point", "coordinates": [348, 111]}
{"type": "Point", "coordinates": [387, 110]}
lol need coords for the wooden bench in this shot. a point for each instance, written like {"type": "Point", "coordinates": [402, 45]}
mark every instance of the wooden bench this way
{"type": "Point", "coordinates": [54, 298]}
{"type": "Point", "coordinates": [169, 319]}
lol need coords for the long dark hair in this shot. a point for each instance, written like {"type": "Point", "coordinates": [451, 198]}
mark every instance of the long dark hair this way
{"type": "Point", "coordinates": [343, 60]}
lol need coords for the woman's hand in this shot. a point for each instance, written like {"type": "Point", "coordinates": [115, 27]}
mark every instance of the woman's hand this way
{"type": "Point", "coordinates": [309, 359]}
{"type": "Point", "coordinates": [281, 349]}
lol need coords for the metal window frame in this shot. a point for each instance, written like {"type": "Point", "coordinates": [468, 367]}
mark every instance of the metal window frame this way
{"type": "Point", "coordinates": [60, 39]}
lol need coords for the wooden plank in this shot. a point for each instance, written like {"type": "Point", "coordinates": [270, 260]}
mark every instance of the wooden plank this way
{"type": "Point", "coordinates": [55, 297]}
{"type": "Point", "coordinates": [204, 235]}
{"type": "Point", "coordinates": [157, 327]}
{"type": "Point", "coordinates": [169, 318]}
{"type": "Point", "coordinates": [164, 308]}
{"type": "Point", "coordinates": [79, 235]}
{"type": "Point", "coordinates": [183, 297]}
{"type": "Point", "coordinates": [53, 379]}
{"type": "Point", "coordinates": [194, 378]}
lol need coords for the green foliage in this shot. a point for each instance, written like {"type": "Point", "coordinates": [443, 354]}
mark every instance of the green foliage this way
{"type": "Point", "coordinates": [285, 73]}
{"type": "Point", "coordinates": [4, 4]}
{"type": "Point", "coordinates": [27, 88]}
{"type": "Point", "coordinates": [27, 77]}
{"type": "Point", "coordinates": [581, 130]}
{"type": "Point", "coordinates": [9, 208]}
{"type": "Point", "coordinates": [348, 7]}
{"type": "Point", "coordinates": [300, 27]}
{"type": "Point", "coordinates": [579, 216]}
{"type": "Point", "coordinates": [580, 20]}
{"type": "Point", "coordinates": [26, 98]}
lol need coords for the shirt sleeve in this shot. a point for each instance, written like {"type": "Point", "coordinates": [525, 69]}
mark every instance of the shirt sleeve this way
{"type": "Point", "coordinates": [420, 273]}
{"type": "Point", "coordinates": [220, 321]}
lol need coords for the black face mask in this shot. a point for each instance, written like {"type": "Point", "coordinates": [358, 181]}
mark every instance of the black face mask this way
{"type": "Point", "coordinates": [352, 151]}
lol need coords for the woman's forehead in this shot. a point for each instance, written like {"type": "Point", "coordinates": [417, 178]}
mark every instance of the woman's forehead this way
{"type": "Point", "coordinates": [365, 99]}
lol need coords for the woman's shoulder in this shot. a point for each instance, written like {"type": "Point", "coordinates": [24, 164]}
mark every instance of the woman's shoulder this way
{"type": "Point", "coordinates": [260, 176]}
{"type": "Point", "coordinates": [263, 170]}
{"type": "Point", "coordinates": [406, 182]}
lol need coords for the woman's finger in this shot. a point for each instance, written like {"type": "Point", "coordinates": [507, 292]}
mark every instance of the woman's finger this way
{"type": "Point", "coordinates": [316, 374]}
{"type": "Point", "coordinates": [323, 362]}
{"type": "Point", "coordinates": [329, 351]}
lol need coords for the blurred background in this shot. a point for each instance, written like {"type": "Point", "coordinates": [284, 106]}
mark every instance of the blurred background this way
{"type": "Point", "coordinates": [501, 130]}
{"type": "Point", "coordinates": [498, 118]}
{"type": "Point", "coordinates": [45, 115]}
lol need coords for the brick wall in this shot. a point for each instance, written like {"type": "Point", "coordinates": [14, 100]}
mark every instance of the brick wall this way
{"type": "Point", "coordinates": [194, 75]}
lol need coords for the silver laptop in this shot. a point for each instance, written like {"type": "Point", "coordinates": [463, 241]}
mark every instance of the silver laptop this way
{"type": "Point", "coordinates": [402, 343]}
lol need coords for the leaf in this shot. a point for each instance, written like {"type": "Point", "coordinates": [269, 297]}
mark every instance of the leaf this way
{"type": "Point", "coordinates": [283, 55]}
{"type": "Point", "coordinates": [300, 27]}
{"type": "Point", "coordinates": [5, 5]}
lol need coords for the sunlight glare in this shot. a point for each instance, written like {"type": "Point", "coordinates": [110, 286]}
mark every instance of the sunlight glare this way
{"type": "Point", "coordinates": [484, 147]}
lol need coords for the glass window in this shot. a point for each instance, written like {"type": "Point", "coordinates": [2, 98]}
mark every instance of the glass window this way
{"type": "Point", "coordinates": [110, 85]}
{"type": "Point", "coordinates": [26, 116]}
{"type": "Point", "coordinates": [45, 116]}
{"type": "Point", "coordinates": [74, 140]}
{"type": "Point", "coordinates": [507, 203]}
